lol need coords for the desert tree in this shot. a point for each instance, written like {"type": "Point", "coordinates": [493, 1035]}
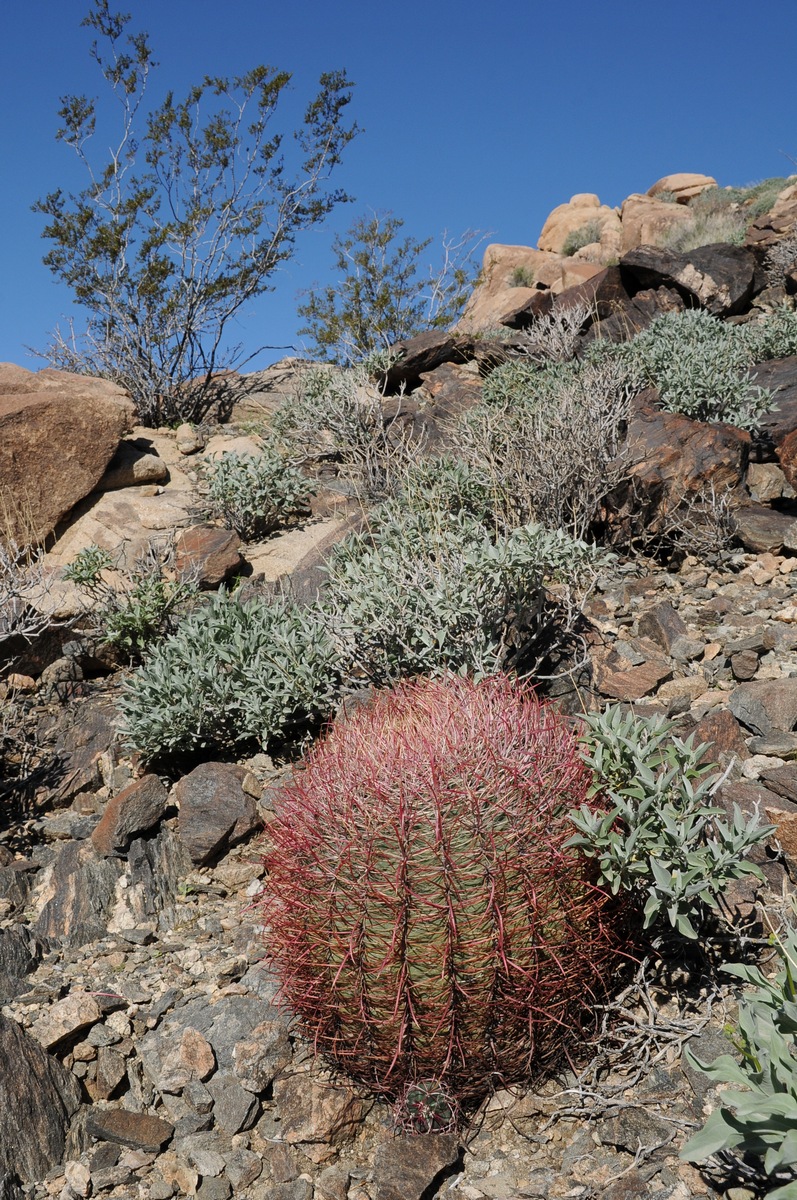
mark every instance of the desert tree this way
{"type": "Point", "coordinates": [185, 220]}
{"type": "Point", "coordinates": [385, 289]}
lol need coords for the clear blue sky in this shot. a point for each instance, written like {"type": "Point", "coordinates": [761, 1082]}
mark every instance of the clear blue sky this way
{"type": "Point", "coordinates": [475, 116]}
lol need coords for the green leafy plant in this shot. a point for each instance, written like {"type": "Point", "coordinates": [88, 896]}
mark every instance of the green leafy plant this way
{"type": "Point", "coordinates": [233, 674]}
{"type": "Point", "coordinates": [700, 367]}
{"type": "Point", "coordinates": [132, 611]}
{"type": "Point", "coordinates": [426, 591]}
{"type": "Point", "coordinates": [383, 292]}
{"type": "Point", "coordinates": [432, 931]}
{"type": "Point", "coordinates": [185, 221]}
{"type": "Point", "coordinates": [521, 277]}
{"type": "Point", "coordinates": [760, 1121]}
{"type": "Point", "coordinates": [585, 235]}
{"type": "Point", "coordinates": [254, 496]}
{"type": "Point", "coordinates": [660, 837]}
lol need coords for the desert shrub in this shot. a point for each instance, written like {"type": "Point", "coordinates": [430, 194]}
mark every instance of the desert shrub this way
{"type": "Point", "coordinates": [723, 215]}
{"type": "Point", "coordinates": [383, 290]}
{"type": "Point", "coordinates": [24, 588]}
{"type": "Point", "coordinates": [700, 367]}
{"type": "Point", "coordinates": [585, 235]}
{"type": "Point", "coordinates": [757, 1124]}
{"type": "Point", "coordinates": [339, 414]}
{"type": "Point", "coordinates": [233, 674]}
{"type": "Point", "coordinates": [781, 259]}
{"type": "Point", "coordinates": [521, 277]}
{"type": "Point", "coordinates": [254, 496]}
{"type": "Point", "coordinates": [550, 439]}
{"type": "Point", "coordinates": [715, 216]}
{"type": "Point", "coordinates": [447, 485]}
{"type": "Point", "coordinates": [432, 930]}
{"type": "Point", "coordinates": [426, 591]}
{"type": "Point", "coordinates": [659, 836]}
{"type": "Point", "coordinates": [772, 336]}
{"type": "Point", "coordinates": [184, 219]}
{"type": "Point", "coordinates": [759, 198]}
{"type": "Point", "coordinates": [556, 336]}
{"type": "Point", "coordinates": [135, 609]}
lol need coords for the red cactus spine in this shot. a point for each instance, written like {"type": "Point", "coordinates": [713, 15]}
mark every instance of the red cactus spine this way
{"type": "Point", "coordinates": [424, 914]}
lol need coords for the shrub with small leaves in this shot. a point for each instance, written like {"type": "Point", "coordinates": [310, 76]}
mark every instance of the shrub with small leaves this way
{"type": "Point", "coordinates": [233, 674]}
{"type": "Point", "coordinates": [773, 336]}
{"type": "Point", "coordinates": [136, 609]}
{"type": "Point", "coordinates": [760, 1121]}
{"type": "Point", "coordinates": [660, 836]}
{"type": "Point", "coordinates": [550, 437]}
{"type": "Point", "coordinates": [254, 496]}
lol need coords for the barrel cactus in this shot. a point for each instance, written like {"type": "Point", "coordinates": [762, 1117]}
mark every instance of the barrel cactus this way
{"type": "Point", "coordinates": [421, 907]}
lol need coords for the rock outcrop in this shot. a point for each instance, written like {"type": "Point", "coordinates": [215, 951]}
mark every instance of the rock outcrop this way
{"type": "Point", "coordinates": [58, 433]}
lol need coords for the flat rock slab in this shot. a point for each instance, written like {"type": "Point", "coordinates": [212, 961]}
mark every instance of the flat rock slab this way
{"type": "Point", "coordinates": [138, 1130]}
{"type": "Point", "coordinates": [313, 1110]}
{"type": "Point", "coordinates": [65, 1019]}
{"type": "Point", "coordinates": [38, 1098]}
{"type": "Point", "coordinates": [616, 678]}
{"type": "Point", "coordinates": [765, 530]}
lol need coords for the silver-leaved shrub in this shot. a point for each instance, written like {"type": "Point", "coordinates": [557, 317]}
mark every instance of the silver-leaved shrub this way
{"type": "Point", "coordinates": [759, 1121]}
{"type": "Point", "coordinates": [433, 590]}
{"type": "Point", "coordinates": [233, 674]}
{"type": "Point", "coordinates": [661, 837]}
{"type": "Point", "coordinates": [254, 495]}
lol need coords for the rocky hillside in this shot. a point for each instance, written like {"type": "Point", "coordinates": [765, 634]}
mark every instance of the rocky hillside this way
{"type": "Point", "coordinates": [144, 1050]}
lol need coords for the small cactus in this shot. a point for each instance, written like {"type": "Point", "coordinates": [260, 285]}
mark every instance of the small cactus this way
{"type": "Point", "coordinates": [426, 918]}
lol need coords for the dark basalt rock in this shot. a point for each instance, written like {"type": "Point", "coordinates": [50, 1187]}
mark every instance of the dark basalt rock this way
{"type": "Point", "coordinates": [38, 1098]}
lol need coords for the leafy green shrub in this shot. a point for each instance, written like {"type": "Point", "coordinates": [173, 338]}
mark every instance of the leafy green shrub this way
{"type": "Point", "coordinates": [429, 591]}
{"type": "Point", "coordinates": [232, 674]}
{"type": "Point", "coordinates": [521, 277]}
{"type": "Point", "coordinates": [585, 235]}
{"type": "Point", "coordinates": [661, 839]}
{"type": "Point", "coordinates": [137, 609]}
{"type": "Point", "coordinates": [699, 366]}
{"type": "Point", "coordinates": [254, 496]}
{"type": "Point", "coordinates": [759, 1122]}
{"type": "Point", "coordinates": [383, 290]}
{"type": "Point", "coordinates": [433, 933]}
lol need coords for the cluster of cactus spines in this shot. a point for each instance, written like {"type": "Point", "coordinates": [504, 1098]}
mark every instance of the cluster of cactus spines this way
{"type": "Point", "coordinates": [421, 907]}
